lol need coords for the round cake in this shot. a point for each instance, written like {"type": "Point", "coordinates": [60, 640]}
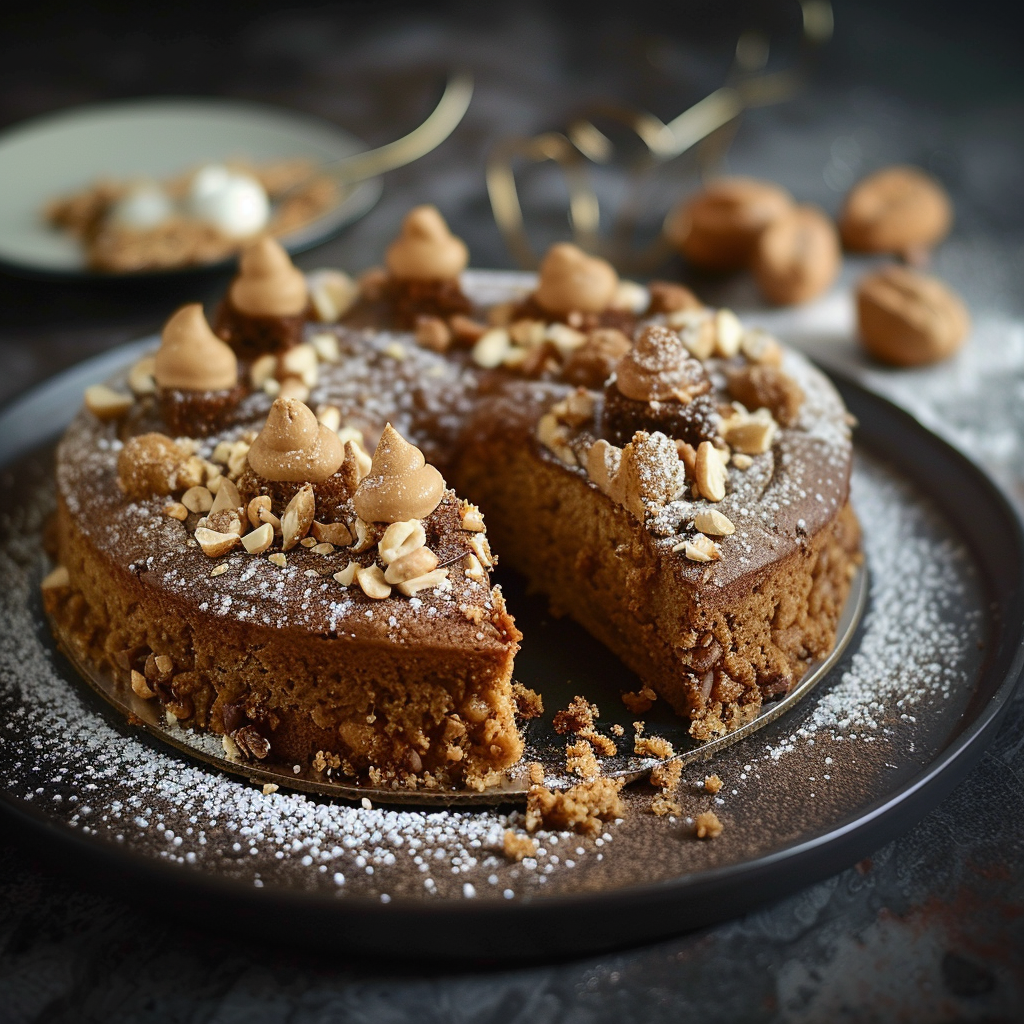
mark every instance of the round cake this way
{"type": "Point", "coordinates": [275, 525]}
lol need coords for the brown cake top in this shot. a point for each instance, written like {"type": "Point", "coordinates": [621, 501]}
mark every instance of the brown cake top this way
{"type": "Point", "coordinates": [268, 283]}
{"type": "Point", "coordinates": [191, 357]}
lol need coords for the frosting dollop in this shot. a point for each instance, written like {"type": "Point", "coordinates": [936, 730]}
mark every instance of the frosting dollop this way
{"type": "Point", "coordinates": [294, 446]}
{"type": "Point", "coordinates": [660, 367]}
{"type": "Point", "coordinates": [426, 250]}
{"type": "Point", "coordinates": [573, 282]}
{"type": "Point", "coordinates": [268, 283]}
{"type": "Point", "coordinates": [400, 485]}
{"type": "Point", "coordinates": [191, 357]}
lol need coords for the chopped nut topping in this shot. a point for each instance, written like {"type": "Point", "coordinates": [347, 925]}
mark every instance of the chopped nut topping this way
{"type": "Point", "coordinates": [564, 338]}
{"type": "Point", "coordinates": [301, 361]}
{"type": "Point", "coordinates": [219, 570]}
{"type": "Point", "coordinates": [709, 472]}
{"type": "Point", "coordinates": [140, 377]}
{"type": "Point", "coordinates": [396, 350]}
{"type": "Point", "coordinates": [237, 459]}
{"type": "Point", "coordinates": [337, 534]}
{"type": "Point", "coordinates": [699, 338]}
{"type": "Point", "coordinates": [279, 559]}
{"type": "Point", "coordinates": [332, 294]}
{"type": "Point", "coordinates": [227, 520]}
{"type": "Point", "coordinates": [750, 434]}
{"type": "Point", "coordinates": [347, 575]}
{"type": "Point", "coordinates": [105, 403]}
{"type": "Point", "coordinates": [742, 461]}
{"type": "Point", "coordinates": [527, 333]}
{"type": "Point", "coordinates": [713, 523]}
{"type": "Point", "coordinates": [326, 346]}
{"type": "Point", "coordinates": [329, 416]}
{"type": "Point", "coordinates": [263, 369]}
{"type": "Point", "coordinates": [214, 543]}
{"type": "Point", "coordinates": [366, 537]}
{"type": "Point", "coordinates": [490, 351]}
{"type": "Point", "coordinates": [474, 570]}
{"type": "Point", "coordinates": [575, 409]}
{"type": "Point", "coordinates": [433, 333]}
{"type": "Point", "coordinates": [408, 567]}
{"type": "Point", "coordinates": [603, 461]}
{"type": "Point", "coordinates": [176, 511]}
{"type": "Point", "coordinates": [294, 389]}
{"type": "Point", "coordinates": [472, 519]}
{"type": "Point", "coordinates": [140, 686]}
{"type": "Point", "coordinates": [308, 542]}
{"type": "Point", "coordinates": [555, 437]}
{"type": "Point", "coordinates": [197, 499]}
{"type": "Point", "coordinates": [227, 497]}
{"type": "Point", "coordinates": [259, 540]}
{"type": "Point", "coordinates": [425, 582]}
{"type": "Point", "coordinates": [371, 582]}
{"type": "Point", "coordinates": [701, 549]}
{"type": "Point", "coordinates": [482, 549]}
{"type": "Point", "coordinates": [728, 333]}
{"type": "Point", "coordinates": [401, 539]}
{"type": "Point", "coordinates": [465, 330]}
{"type": "Point", "coordinates": [259, 512]}
{"type": "Point", "coordinates": [297, 518]}
{"type": "Point", "coordinates": [760, 347]}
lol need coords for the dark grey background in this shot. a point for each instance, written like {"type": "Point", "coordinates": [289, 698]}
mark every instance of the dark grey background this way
{"type": "Point", "coordinates": [929, 927]}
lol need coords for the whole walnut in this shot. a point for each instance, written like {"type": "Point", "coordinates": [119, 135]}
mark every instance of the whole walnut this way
{"type": "Point", "coordinates": [797, 256]}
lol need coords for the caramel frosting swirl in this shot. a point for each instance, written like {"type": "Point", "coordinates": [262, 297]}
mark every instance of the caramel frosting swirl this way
{"type": "Point", "coordinates": [400, 485]}
{"type": "Point", "coordinates": [426, 250]}
{"type": "Point", "coordinates": [294, 446]}
{"type": "Point", "coordinates": [659, 367]}
{"type": "Point", "coordinates": [573, 282]}
{"type": "Point", "coordinates": [268, 283]}
{"type": "Point", "coordinates": [191, 357]}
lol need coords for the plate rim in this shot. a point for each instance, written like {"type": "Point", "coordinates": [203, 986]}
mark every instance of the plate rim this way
{"type": "Point", "coordinates": [708, 896]}
{"type": "Point", "coordinates": [363, 198]}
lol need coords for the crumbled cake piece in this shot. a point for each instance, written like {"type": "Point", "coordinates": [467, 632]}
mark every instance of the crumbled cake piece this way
{"type": "Point", "coordinates": [581, 808]}
{"type": "Point", "coordinates": [666, 776]}
{"type": "Point", "coordinates": [536, 773]}
{"type": "Point", "coordinates": [576, 717]}
{"type": "Point", "coordinates": [602, 745]}
{"type": "Point", "coordinates": [661, 804]}
{"type": "Point", "coordinates": [707, 825]}
{"type": "Point", "coordinates": [529, 703]}
{"type": "Point", "coordinates": [580, 760]}
{"type": "Point", "coordinates": [516, 846]}
{"type": "Point", "coordinates": [712, 783]}
{"type": "Point", "coordinates": [639, 701]}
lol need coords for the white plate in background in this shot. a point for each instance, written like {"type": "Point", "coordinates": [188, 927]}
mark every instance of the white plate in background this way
{"type": "Point", "coordinates": [59, 153]}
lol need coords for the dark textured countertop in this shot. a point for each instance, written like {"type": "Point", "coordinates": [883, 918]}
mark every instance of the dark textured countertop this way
{"type": "Point", "coordinates": [930, 927]}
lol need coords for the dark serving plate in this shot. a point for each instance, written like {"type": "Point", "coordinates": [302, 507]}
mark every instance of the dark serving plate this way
{"type": "Point", "coordinates": [894, 726]}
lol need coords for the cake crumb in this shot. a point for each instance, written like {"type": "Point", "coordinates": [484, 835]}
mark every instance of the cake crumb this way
{"type": "Point", "coordinates": [577, 717]}
{"type": "Point", "coordinates": [474, 613]}
{"type": "Point", "coordinates": [663, 804]}
{"type": "Point", "coordinates": [529, 703]}
{"type": "Point", "coordinates": [639, 701]}
{"type": "Point", "coordinates": [603, 746]}
{"type": "Point", "coordinates": [580, 808]}
{"type": "Point", "coordinates": [537, 773]}
{"type": "Point", "coordinates": [712, 783]}
{"type": "Point", "coordinates": [269, 787]}
{"type": "Point", "coordinates": [666, 776]}
{"type": "Point", "coordinates": [617, 730]}
{"type": "Point", "coordinates": [708, 826]}
{"type": "Point", "coordinates": [650, 746]}
{"type": "Point", "coordinates": [516, 847]}
{"type": "Point", "coordinates": [580, 760]}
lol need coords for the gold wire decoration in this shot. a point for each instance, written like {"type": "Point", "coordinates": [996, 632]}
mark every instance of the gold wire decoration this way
{"type": "Point", "coordinates": [709, 125]}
